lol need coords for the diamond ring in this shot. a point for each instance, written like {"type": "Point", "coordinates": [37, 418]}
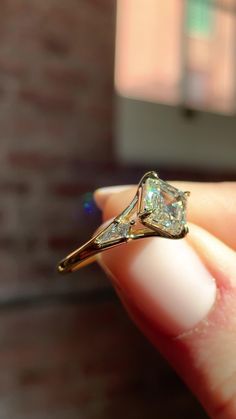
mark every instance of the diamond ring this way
{"type": "Point", "coordinates": [157, 209]}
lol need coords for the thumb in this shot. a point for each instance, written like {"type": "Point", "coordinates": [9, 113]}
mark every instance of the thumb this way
{"type": "Point", "coordinates": [182, 293]}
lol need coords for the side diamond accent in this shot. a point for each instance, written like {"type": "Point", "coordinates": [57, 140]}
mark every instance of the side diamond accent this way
{"type": "Point", "coordinates": [114, 232]}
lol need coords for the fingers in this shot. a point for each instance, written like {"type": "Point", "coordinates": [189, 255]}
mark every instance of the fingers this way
{"type": "Point", "coordinates": [182, 296]}
{"type": "Point", "coordinates": [210, 205]}
{"type": "Point", "coordinates": [166, 279]}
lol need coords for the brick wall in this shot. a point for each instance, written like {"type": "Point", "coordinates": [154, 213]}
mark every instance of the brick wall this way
{"type": "Point", "coordinates": [56, 86]}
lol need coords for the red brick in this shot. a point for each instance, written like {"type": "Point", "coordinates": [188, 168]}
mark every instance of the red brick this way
{"type": "Point", "coordinates": [48, 100]}
{"type": "Point", "coordinates": [56, 73]}
{"type": "Point", "coordinates": [99, 112]}
{"type": "Point", "coordinates": [31, 160]}
{"type": "Point", "coordinates": [55, 45]}
{"type": "Point", "coordinates": [12, 67]}
{"type": "Point", "coordinates": [67, 76]}
{"type": "Point", "coordinates": [14, 187]}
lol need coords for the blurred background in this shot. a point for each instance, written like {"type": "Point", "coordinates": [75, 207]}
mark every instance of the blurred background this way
{"type": "Point", "coordinates": [93, 93]}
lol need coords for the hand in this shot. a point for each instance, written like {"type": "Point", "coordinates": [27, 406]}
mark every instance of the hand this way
{"type": "Point", "coordinates": [182, 293]}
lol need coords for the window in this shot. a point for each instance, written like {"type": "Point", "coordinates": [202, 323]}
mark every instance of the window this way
{"type": "Point", "coordinates": [177, 52]}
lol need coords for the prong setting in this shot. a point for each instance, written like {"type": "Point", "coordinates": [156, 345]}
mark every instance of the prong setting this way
{"type": "Point", "coordinates": [187, 194]}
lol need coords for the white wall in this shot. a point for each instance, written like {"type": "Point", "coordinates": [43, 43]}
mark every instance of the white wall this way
{"type": "Point", "coordinates": [156, 134]}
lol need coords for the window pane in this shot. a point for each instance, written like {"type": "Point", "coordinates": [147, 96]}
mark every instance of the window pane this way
{"type": "Point", "coordinates": [177, 52]}
{"type": "Point", "coordinates": [148, 56]}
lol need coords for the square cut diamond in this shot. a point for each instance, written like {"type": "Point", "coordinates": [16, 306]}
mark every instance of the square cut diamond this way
{"type": "Point", "coordinates": [164, 206]}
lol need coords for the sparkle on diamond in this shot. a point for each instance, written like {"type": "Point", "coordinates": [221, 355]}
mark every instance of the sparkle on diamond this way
{"type": "Point", "coordinates": [165, 205]}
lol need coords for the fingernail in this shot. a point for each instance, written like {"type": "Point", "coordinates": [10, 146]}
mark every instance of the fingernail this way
{"type": "Point", "coordinates": [166, 279]}
{"type": "Point", "coordinates": [102, 194]}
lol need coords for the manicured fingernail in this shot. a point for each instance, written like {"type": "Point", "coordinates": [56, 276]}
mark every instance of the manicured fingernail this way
{"type": "Point", "coordinates": [102, 194]}
{"type": "Point", "coordinates": [166, 279]}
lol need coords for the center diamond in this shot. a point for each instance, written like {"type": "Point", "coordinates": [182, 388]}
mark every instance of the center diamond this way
{"type": "Point", "coordinates": [163, 207]}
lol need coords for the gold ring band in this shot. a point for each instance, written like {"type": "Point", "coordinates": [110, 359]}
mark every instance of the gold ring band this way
{"type": "Point", "coordinates": [157, 209]}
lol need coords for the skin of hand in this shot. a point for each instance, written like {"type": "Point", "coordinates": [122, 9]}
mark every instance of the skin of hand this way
{"type": "Point", "coordinates": [182, 293]}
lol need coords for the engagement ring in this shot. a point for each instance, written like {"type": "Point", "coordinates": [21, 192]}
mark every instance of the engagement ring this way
{"type": "Point", "coordinates": [157, 209]}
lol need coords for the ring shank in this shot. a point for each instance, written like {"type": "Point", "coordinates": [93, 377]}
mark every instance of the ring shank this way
{"type": "Point", "coordinates": [72, 268]}
{"type": "Point", "coordinates": [85, 255]}
{"type": "Point", "coordinates": [82, 256]}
